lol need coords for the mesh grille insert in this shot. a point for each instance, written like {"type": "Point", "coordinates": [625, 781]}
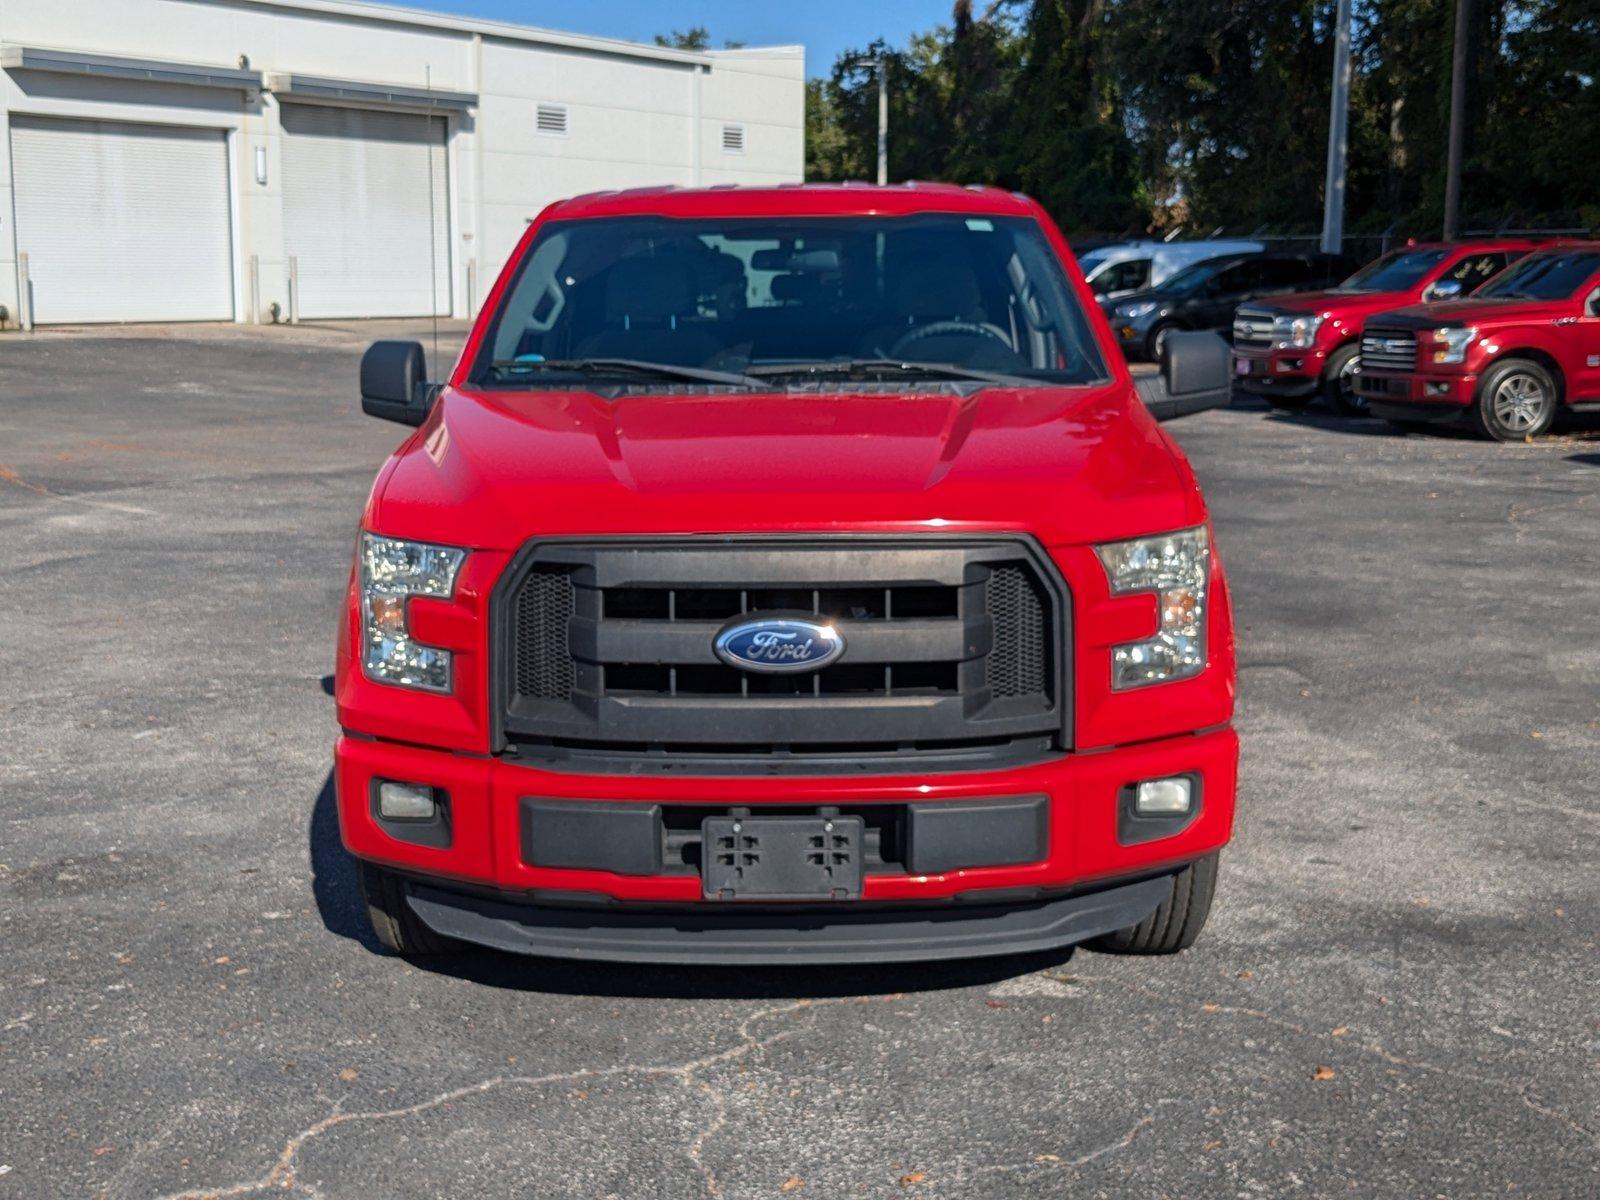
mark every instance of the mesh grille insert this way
{"type": "Point", "coordinates": [544, 668]}
{"type": "Point", "coordinates": [1019, 662]}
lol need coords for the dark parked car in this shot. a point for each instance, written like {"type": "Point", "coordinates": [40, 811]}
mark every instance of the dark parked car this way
{"type": "Point", "coordinates": [1204, 296]}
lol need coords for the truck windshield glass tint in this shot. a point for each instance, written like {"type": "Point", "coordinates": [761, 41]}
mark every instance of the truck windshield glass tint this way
{"type": "Point", "coordinates": [1545, 276]}
{"type": "Point", "coordinates": [1394, 272]}
{"type": "Point", "coordinates": [726, 295]}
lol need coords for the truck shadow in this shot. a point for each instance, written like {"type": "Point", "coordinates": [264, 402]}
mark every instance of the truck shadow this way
{"type": "Point", "coordinates": [339, 904]}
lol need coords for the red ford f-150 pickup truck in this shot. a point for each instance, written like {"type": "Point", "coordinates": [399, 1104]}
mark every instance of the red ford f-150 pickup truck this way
{"type": "Point", "coordinates": [1292, 349]}
{"type": "Point", "coordinates": [1519, 350]}
{"type": "Point", "coordinates": [787, 575]}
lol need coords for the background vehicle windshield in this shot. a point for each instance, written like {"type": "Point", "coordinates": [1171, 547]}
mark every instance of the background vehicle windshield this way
{"type": "Point", "coordinates": [730, 295]}
{"type": "Point", "coordinates": [1195, 276]}
{"type": "Point", "coordinates": [1548, 276]}
{"type": "Point", "coordinates": [1394, 272]}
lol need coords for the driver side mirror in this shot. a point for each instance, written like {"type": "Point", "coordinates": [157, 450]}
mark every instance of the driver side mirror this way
{"type": "Point", "coordinates": [1194, 368]}
{"type": "Point", "coordinates": [1591, 306]}
{"type": "Point", "coordinates": [1445, 289]}
{"type": "Point", "coordinates": [394, 383]}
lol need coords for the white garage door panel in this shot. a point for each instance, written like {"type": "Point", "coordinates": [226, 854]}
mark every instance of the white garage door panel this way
{"type": "Point", "coordinates": [364, 211]}
{"type": "Point", "coordinates": [123, 222]}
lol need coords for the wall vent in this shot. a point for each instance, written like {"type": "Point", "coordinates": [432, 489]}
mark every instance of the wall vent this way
{"type": "Point", "coordinates": [733, 139]}
{"type": "Point", "coordinates": [552, 120]}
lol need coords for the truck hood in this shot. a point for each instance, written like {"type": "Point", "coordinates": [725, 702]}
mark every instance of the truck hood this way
{"type": "Point", "coordinates": [1486, 312]}
{"type": "Point", "coordinates": [492, 469]}
{"type": "Point", "coordinates": [1343, 305]}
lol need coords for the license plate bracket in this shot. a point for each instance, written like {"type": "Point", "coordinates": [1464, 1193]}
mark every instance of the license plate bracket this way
{"type": "Point", "coordinates": [781, 858]}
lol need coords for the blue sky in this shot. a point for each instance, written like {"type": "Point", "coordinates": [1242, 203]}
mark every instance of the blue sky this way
{"type": "Point", "coordinates": [824, 27]}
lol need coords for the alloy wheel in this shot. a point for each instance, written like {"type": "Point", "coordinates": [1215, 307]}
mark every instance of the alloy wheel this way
{"type": "Point", "coordinates": [1520, 403]}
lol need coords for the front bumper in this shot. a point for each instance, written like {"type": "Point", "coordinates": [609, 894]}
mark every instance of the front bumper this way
{"type": "Point", "coordinates": [1085, 846]}
{"type": "Point", "coordinates": [1439, 394]}
{"type": "Point", "coordinates": [1280, 371]}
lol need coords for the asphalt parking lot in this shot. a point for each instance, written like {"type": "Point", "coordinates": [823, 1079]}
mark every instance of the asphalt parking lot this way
{"type": "Point", "coordinates": [1397, 994]}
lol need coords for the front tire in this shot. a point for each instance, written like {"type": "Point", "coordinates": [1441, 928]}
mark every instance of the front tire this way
{"type": "Point", "coordinates": [1177, 920]}
{"type": "Point", "coordinates": [1516, 400]}
{"type": "Point", "coordinates": [1339, 383]}
{"type": "Point", "coordinates": [1157, 341]}
{"type": "Point", "coordinates": [393, 922]}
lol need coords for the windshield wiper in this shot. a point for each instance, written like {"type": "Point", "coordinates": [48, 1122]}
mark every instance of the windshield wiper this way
{"type": "Point", "coordinates": [620, 366]}
{"type": "Point", "coordinates": [867, 366]}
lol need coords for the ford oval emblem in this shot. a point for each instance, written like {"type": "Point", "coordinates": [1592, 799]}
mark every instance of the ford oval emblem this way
{"type": "Point", "coordinates": [779, 645]}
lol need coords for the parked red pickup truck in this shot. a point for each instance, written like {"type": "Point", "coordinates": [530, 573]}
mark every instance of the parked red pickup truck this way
{"type": "Point", "coordinates": [1522, 348]}
{"type": "Point", "coordinates": [1293, 349]}
{"type": "Point", "coordinates": [787, 575]}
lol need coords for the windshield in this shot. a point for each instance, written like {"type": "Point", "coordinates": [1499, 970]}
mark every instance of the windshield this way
{"type": "Point", "coordinates": [1548, 276]}
{"type": "Point", "coordinates": [1396, 271]}
{"type": "Point", "coordinates": [703, 301]}
{"type": "Point", "coordinates": [1193, 276]}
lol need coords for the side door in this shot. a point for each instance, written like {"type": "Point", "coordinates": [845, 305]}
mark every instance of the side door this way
{"type": "Point", "coordinates": [1214, 309]}
{"type": "Point", "coordinates": [1578, 335]}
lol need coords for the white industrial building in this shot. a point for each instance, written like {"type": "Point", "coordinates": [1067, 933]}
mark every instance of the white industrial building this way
{"type": "Point", "coordinates": [253, 160]}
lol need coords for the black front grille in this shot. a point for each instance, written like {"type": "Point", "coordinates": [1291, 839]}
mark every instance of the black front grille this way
{"type": "Point", "coordinates": [1389, 349]}
{"type": "Point", "coordinates": [950, 644]}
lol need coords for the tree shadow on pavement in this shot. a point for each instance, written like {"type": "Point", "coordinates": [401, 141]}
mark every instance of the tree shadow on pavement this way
{"type": "Point", "coordinates": [339, 903]}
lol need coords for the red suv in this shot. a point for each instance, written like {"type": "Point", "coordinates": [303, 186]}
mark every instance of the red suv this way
{"type": "Point", "coordinates": [787, 575]}
{"type": "Point", "coordinates": [1293, 349]}
{"type": "Point", "coordinates": [1523, 347]}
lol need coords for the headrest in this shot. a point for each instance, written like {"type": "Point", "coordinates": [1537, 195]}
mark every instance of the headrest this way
{"type": "Point", "coordinates": [649, 289]}
{"type": "Point", "coordinates": [925, 287]}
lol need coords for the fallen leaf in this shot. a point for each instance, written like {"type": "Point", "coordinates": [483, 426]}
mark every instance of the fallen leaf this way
{"type": "Point", "coordinates": [581, 1095]}
{"type": "Point", "coordinates": [791, 1184]}
{"type": "Point", "coordinates": [997, 1004]}
{"type": "Point", "coordinates": [1341, 1031]}
{"type": "Point", "coordinates": [912, 1177]}
{"type": "Point", "coordinates": [349, 1074]}
{"type": "Point", "coordinates": [1247, 974]}
{"type": "Point", "coordinates": [1047, 1158]}
{"type": "Point", "coordinates": [1210, 1146]}
{"type": "Point", "coordinates": [102, 1151]}
{"type": "Point", "coordinates": [1324, 1073]}
{"type": "Point", "coordinates": [1210, 1007]}
{"type": "Point", "coordinates": [221, 960]}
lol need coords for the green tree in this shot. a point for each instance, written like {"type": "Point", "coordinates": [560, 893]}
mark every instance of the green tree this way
{"type": "Point", "coordinates": [696, 37]}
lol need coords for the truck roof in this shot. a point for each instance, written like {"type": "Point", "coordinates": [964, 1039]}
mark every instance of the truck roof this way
{"type": "Point", "coordinates": [797, 200]}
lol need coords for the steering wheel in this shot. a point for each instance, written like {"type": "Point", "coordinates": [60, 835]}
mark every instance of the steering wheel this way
{"type": "Point", "coordinates": [943, 328]}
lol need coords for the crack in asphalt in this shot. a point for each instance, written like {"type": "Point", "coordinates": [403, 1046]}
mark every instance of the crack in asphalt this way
{"type": "Point", "coordinates": [284, 1176]}
{"type": "Point", "coordinates": [1372, 1049]}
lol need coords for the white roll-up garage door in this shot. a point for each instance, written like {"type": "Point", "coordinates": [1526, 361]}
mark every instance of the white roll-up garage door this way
{"type": "Point", "coordinates": [123, 222]}
{"type": "Point", "coordinates": [364, 211]}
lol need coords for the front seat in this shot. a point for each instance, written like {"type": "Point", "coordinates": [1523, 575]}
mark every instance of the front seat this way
{"type": "Point", "coordinates": [646, 303]}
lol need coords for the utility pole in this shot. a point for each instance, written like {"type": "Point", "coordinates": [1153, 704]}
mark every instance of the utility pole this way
{"type": "Point", "coordinates": [1333, 188]}
{"type": "Point", "coordinates": [883, 121]}
{"type": "Point", "coordinates": [1458, 120]}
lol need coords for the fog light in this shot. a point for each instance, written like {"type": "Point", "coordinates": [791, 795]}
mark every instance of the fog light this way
{"type": "Point", "coordinates": [1439, 389]}
{"type": "Point", "coordinates": [407, 802]}
{"type": "Point", "coordinates": [1163, 797]}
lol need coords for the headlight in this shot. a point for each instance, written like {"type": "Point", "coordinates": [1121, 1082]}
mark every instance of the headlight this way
{"type": "Point", "coordinates": [392, 571]}
{"type": "Point", "coordinates": [1450, 344]}
{"type": "Point", "coordinates": [1300, 332]}
{"type": "Point", "coordinates": [1177, 568]}
{"type": "Point", "coordinates": [1137, 309]}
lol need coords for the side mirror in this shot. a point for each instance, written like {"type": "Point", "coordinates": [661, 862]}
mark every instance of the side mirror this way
{"type": "Point", "coordinates": [1194, 368]}
{"type": "Point", "coordinates": [1591, 306]}
{"type": "Point", "coordinates": [1445, 289]}
{"type": "Point", "coordinates": [393, 383]}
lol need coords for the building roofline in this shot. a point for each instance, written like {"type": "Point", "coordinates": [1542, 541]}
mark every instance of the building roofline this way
{"type": "Point", "coordinates": [503, 30]}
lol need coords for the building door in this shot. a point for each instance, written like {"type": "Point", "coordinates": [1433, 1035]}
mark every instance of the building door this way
{"type": "Point", "coordinates": [365, 211]}
{"type": "Point", "coordinates": [123, 222]}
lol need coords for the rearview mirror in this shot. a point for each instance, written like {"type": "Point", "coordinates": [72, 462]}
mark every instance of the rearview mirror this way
{"type": "Point", "coordinates": [393, 383]}
{"type": "Point", "coordinates": [1445, 289]}
{"type": "Point", "coordinates": [1194, 368]}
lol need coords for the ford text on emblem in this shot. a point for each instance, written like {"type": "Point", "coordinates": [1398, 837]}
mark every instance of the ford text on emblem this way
{"type": "Point", "coordinates": [779, 645]}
